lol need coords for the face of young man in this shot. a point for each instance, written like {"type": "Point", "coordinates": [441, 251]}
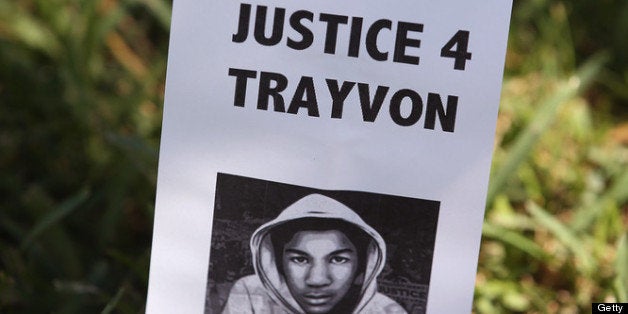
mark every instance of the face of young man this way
{"type": "Point", "coordinates": [320, 267]}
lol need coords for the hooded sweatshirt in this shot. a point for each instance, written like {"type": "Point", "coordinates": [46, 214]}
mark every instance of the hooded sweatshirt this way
{"type": "Point", "coordinates": [267, 291]}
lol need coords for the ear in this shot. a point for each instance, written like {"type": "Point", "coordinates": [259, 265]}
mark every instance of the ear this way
{"type": "Point", "coordinates": [359, 279]}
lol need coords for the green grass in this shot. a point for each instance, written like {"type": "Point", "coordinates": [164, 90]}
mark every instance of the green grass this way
{"type": "Point", "coordinates": [81, 85]}
{"type": "Point", "coordinates": [81, 94]}
{"type": "Point", "coordinates": [555, 227]}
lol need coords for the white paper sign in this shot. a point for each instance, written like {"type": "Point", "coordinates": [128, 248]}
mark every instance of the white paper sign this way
{"type": "Point", "coordinates": [325, 156]}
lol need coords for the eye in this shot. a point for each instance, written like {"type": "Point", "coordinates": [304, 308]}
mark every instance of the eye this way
{"type": "Point", "coordinates": [299, 259]}
{"type": "Point", "coordinates": [338, 259]}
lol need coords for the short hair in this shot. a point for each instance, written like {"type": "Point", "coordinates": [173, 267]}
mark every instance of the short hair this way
{"type": "Point", "coordinates": [281, 234]}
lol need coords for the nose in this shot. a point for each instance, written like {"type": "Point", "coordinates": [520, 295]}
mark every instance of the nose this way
{"type": "Point", "coordinates": [318, 275]}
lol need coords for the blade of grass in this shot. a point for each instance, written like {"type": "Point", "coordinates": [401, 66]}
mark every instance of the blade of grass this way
{"type": "Point", "coordinates": [126, 56]}
{"type": "Point", "coordinates": [565, 235]}
{"type": "Point", "coordinates": [111, 305]}
{"type": "Point", "coordinates": [160, 10]}
{"type": "Point", "coordinates": [101, 21]}
{"type": "Point", "coordinates": [618, 193]}
{"type": "Point", "coordinates": [54, 217]}
{"type": "Point", "coordinates": [514, 239]}
{"type": "Point", "coordinates": [542, 121]}
{"type": "Point", "coordinates": [27, 29]}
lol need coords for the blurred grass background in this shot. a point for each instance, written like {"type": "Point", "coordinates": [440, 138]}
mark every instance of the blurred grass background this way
{"type": "Point", "coordinates": [81, 95]}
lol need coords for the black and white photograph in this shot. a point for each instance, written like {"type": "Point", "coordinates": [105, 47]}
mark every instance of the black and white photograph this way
{"type": "Point", "coordinates": [282, 248]}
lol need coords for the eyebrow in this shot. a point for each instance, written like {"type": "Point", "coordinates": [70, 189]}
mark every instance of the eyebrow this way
{"type": "Point", "coordinates": [295, 251]}
{"type": "Point", "coordinates": [341, 251]}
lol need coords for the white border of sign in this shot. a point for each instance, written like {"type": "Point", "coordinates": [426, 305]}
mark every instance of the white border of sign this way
{"type": "Point", "coordinates": [204, 133]}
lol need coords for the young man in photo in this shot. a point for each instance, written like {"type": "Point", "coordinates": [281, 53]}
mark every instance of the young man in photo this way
{"type": "Point", "coordinates": [317, 256]}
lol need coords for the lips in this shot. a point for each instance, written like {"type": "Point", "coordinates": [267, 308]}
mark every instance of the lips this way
{"type": "Point", "coordinates": [317, 298]}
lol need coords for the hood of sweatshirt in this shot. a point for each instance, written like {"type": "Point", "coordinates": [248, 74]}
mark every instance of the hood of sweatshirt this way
{"type": "Point", "coordinates": [313, 206]}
